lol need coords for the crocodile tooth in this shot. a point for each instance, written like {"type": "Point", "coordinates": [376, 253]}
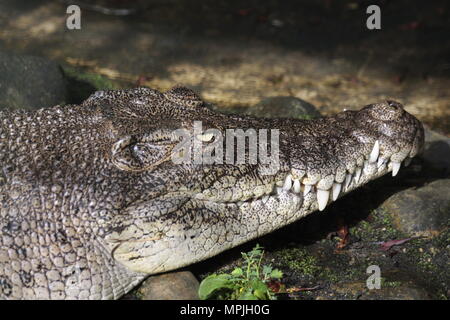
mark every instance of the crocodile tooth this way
{"type": "Point", "coordinates": [307, 189]}
{"type": "Point", "coordinates": [375, 152]}
{"type": "Point", "coordinates": [395, 168]}
{"type": "Point", "coordinates": [279, 190]}
{"type": "Point", "coordinates": [348, 180]}
{"type": "Point", "coordinates": [297, 186]}
{"type": "Point", "coordinates": [287, 183]}
{"type": "Point", "coordinates": [357, 174]}
{"type": "Point", "coordinates": [265, 199]}
{"type": "Point", "coordinates": [407, 161]}
{"type": "Point", "coordinates": [336, 190]}
{"type": "Point", "coordinates": [322, 198]}
{"type": "Point", "coordinates": [380, 162]}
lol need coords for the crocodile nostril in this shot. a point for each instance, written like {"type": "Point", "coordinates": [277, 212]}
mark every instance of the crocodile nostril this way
{"type": "Point", "coordinates": [386, 111]}
{"type": "Point", "coordinates": [394, 104]}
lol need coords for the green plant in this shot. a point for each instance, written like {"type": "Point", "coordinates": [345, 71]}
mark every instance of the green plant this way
{"type": "Point", "coordinates": [249, 282]}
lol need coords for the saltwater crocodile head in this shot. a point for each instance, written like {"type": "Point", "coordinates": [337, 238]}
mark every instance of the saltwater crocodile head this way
{"type": "Point", "coordinates": [94, 197]}
{"type": "Point", "coordinates": [186, 212]}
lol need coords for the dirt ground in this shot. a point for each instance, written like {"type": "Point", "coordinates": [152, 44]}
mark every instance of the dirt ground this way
{"type": "Point", "coordinates": [234, 53]}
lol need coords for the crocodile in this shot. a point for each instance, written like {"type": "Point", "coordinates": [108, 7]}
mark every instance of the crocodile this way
{"type": "Point", "coordinates": [92, 201]}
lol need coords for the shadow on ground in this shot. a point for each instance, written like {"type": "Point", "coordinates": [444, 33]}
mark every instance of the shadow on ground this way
{"type": "Point", "coordinates": [237, 52]}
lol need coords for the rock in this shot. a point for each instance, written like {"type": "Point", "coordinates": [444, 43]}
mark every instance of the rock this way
{"type": "Point", "coordinates": [424, 211]}
{"type": "Point", "coordinates": [170, 286]}
{"type": "Point", "coordinates": [283, 107]}
{"type": "Point", "coordinates": [358, 290]}
{"type": "Point", "coordinates": [400, 293]}
{"type": "Point", "coordinates": [437, 151]}
{"type": "Point", "coordinates": [28, 82]}
{"type": "Point", "coordinates": [343, 291]}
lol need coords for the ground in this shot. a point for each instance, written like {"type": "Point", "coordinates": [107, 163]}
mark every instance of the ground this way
{"type": "Point", "coordinates": [237, 52]}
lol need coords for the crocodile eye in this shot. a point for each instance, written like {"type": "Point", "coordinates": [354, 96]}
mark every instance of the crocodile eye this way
{"type": "Point", "coordinates": [140, 153]}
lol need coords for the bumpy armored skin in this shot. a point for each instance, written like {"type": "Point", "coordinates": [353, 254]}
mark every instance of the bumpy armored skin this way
{"type": "Point", "coordinates": [91, 201]}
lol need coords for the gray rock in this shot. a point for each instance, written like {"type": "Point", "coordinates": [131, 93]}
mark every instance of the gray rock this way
{"type": "Point", "coordinates": [400, 293]}
{"type": "Point", "coordinates": [424, 211]}
{"type": "Point", "coordinates": [358, 290]}
{"type": "Point", "coordinates": [283, 107]}
{"type": "Point", "coordinates": [279, 107]}
{"type": "Point", "coordinates": [28, 82]}
{"type": "Point", "coordinates": [170, 286]}
{"type": "Point", "coordinates": [437, 151]}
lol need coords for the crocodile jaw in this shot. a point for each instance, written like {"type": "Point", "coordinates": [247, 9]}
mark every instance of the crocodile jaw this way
{"type": "Point", "coordinates": [212, 222]}
{"type": "Point", "coordinates": [240, 222]}
{"type": "Point", "coordinates": [316, 196]}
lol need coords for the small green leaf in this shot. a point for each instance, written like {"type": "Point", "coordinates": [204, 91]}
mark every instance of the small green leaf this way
{"type": "Point", "coordinates": [247, 296]}
{"type": "Point", "coordinates": [276, 274]}
{"type": "Point", "coordinates": [237, 272]}
{"type": "Point", "coordinates": [257, 284]}
{"type": "Point", "coordinates": [261, 295]}
{"type": "Point", "coordinates": [212, 283]}
{"type": "Point", "coordinates": [267, 270]}
{"type": "Point", "coordinates": [253, 274]}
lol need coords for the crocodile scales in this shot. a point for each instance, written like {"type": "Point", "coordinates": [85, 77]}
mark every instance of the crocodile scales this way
{"type": "Point", "coordinates": [91, 203]}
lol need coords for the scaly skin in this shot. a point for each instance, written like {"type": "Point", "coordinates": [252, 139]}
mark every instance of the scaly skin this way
{"type": "Point", "coordinates": [91, 202]}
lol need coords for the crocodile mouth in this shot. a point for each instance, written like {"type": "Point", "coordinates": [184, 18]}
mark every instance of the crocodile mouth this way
{"type": "Point", "coordinates": [344, 152]}
{"type": "Point", "coordinates": [328, 189]}
{"type": "Point", "coordinates": [326, 158]}
{"type": "Point", "coordinates": [314, 190]}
